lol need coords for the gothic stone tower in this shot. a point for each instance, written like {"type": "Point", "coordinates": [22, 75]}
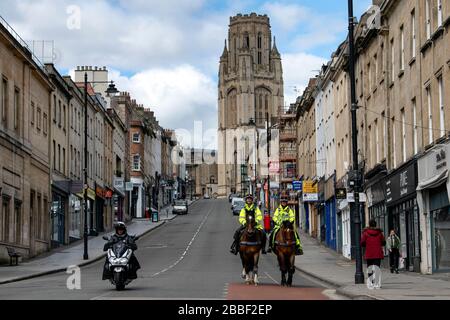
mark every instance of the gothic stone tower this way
{"type": "Point", "coordinates": [250, 85]}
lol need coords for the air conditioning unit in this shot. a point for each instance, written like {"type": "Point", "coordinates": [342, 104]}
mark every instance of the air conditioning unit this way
{"type": "Point", "coordinates": [374, 19]}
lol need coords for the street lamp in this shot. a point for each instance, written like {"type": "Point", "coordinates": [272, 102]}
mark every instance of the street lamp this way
{"type": "Point", "coordinates": [110, 91]}
{"type": "Point", "coordinates": [359, 275]}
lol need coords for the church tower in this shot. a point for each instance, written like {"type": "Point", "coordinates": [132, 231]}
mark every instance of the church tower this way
{"type": "Point", "coordinates": [250, 86]}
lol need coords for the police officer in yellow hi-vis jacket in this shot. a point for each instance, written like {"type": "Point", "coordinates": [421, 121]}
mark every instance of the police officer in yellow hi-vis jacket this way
{"type": "Point", "coordinates": [249, 207]}
{"type": "Point", "coordinates": [283, 213]}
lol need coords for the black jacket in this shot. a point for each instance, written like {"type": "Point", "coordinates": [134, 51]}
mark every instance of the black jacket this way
{"type": "Point", "coordinates": [116, 238]}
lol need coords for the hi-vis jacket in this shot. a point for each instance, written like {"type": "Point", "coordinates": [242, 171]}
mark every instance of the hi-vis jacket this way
{"type": "Point", "coordinates": [282, 214]}
{"type": "Point", "coordinates": [258, 215]}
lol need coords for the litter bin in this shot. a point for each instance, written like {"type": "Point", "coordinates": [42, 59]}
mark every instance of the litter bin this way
{"type": "Point", "coordinates": [155, 216]}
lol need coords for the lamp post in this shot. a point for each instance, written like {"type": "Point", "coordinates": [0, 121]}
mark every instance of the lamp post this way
{"type": "Point", "coordinates": [359, 275]}
{"type": "Point", "coordinates": [110, 91]}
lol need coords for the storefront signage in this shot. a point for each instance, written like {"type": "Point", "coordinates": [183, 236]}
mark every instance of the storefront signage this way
{"type": "Point", "coordinates": [274, 167]}
{"type": "Point", "coordinates": [310, 197]}
{"type": "Point", "coordinates": [310, 187]}
{"type": "Point", "coordinates": [108, 193]}
{"type": "Point", "coordinates": [310, 191]}
{"type": "Point", "coordinates": [401, 184]}
{"type": "Point", "coordinates": [99, 192]}
{"type": "Point", "coordinates": [341, 193]}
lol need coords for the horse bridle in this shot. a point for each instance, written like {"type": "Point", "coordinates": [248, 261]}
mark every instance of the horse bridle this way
{"type": "Point", "coordinates": [285, 243]}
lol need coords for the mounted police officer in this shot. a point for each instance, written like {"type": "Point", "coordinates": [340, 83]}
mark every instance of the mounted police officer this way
{"type": "Point", "coordinates": [282, 213]}
{"type": "Point", "coordinates": [249, 208]}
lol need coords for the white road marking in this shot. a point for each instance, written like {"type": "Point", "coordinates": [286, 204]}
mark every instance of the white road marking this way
{"type": "Point", "coordinates": [272, 278]}
{"type": "Point", "coordinates": [187, 248]}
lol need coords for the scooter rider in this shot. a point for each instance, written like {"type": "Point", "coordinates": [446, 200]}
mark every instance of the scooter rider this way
{"type": "Point", "coordinates": [122, 235]}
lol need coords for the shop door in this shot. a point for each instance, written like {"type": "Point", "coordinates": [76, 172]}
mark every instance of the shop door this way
{"type": "Point", "coordinates": [339, 232]}
{"type": "Point", "coordinates": [58, 219]}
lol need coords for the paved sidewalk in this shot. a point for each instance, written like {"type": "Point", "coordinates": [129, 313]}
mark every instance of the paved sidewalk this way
{"type": "Point", "coordinates": [328, 266]}
{"type": "Point", "coordinates": [59, 259]}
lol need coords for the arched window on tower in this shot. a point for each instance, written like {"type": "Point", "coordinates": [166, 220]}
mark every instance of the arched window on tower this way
{"type": "Point", "coordinates": [262, 106]}
{"type": "Point", "coordinates": [246, 40]}
{"type": "Point", "coordinates": [231, 108]}
{"type": "Point", "coordinates": [259, 48]}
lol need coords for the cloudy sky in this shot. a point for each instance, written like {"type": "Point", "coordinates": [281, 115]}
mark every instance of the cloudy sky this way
{"type": "Point", "coordinates": [166, 53]}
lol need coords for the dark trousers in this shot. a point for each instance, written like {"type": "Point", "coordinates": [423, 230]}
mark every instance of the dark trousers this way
{"type": "Point", "coordinates": [394, 256]}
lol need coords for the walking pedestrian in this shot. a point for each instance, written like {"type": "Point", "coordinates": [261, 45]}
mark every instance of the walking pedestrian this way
{"type": "Point", "coordinates": [393, 245]}
{"type": "Point", "coordinates": [373, 241]}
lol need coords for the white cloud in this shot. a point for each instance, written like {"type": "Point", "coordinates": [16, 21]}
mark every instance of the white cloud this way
{"type": "Point", "coordinates": [298, 68]}
{"type": "Point", "coordinates": [179, 96]}
{"type": "Point", "coordinates": [286, 16]}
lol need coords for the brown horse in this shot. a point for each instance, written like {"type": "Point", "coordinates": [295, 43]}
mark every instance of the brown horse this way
{"type": "Point", "coordinates": [249, 248]}
{"type": "Point", "coordinates": [285, 251]}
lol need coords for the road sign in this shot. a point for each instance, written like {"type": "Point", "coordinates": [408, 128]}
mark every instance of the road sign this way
{"type": "Point", "coordinates": [297, 185]}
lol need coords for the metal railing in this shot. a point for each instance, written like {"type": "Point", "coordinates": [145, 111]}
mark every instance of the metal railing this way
{"type": "Point", "coordinates": [22, 42]}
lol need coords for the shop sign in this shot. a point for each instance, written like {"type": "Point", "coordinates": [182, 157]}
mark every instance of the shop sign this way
{"type": "Point", "coordinates": [108, 193]}
{"type": "Point", "coordinates": [310, 197]}
{"type": "Point", "coordinates": [341, 193]}
{"type": "Point", "coordinates": [99, 192]}
{"type": "Point", "coordinates": [401, 184]}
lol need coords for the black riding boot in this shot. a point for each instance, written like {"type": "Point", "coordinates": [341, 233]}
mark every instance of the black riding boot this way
{"type": "Point", "coordinates": [263, 242]}
{"type": "Point", "coordinates": [235, 246]}
{"type": "Point", "coordinates": [271, 236]}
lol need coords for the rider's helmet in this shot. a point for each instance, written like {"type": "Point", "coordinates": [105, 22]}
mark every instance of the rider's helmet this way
{"type": "Point", "coordinates": [284, 201]}
{"type": "Point", "coordinates": [249, 196]}
{"type": "Point", "coordinates": [120, 226]}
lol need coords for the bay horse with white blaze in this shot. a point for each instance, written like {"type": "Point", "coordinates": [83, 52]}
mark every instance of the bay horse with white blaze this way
{"type": "Point", "coordinates": [285, 251]}
{"type": "Point", "coordinates": [249, 249]}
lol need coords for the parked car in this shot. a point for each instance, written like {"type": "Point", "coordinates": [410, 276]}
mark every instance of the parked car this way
{"type": "Point", "coordinates": [234, 200]}
{"type": "Point", "coordinates": [231, 196]}
{"type": "Point", "coordinates": [180, 207]}
{"type": "Point", "coordinates": [238, 206]}
{"type": "Point", "coordinates": [206, 196]}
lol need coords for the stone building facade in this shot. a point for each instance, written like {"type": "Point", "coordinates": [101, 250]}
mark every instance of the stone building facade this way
{"type": "Point", "coordinates": [25, 101]}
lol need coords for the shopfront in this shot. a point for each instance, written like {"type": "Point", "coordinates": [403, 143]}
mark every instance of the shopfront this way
{"type": "Point", "coordinates": [376, 203]}
{"type": "Point", "coordinates": [310, 199]}
{"type": "Point", "coordinates": [118, 199]}
{"type": "Point", "coordinates": [58, 217]}
{"type": "Point", "coordinates": [433, 201]}
{"type": "Point", "coordinates": [75, 211]}
{"type": "Point", "coordinates": [403, 212]}
{"type": "Point", "coordinates": [330, 213]}
{"type": "Point", "coordinates": [99, 209]}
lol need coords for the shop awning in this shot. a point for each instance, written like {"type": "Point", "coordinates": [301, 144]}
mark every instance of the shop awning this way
{"type": "Point", "coordinates": [433, 182]}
